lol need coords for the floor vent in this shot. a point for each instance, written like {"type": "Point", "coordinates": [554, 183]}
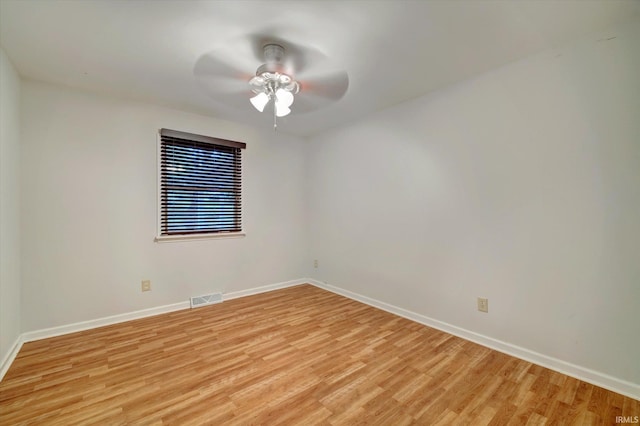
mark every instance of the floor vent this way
{"type": "Point", "coordinates": [207, 299]}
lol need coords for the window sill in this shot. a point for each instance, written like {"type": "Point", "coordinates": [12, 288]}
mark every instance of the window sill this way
{"type": "Point", "coordinates": [216, 236]}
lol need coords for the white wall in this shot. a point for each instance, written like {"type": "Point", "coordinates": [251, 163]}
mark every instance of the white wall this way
{"type": "Point", "coordinates": [522, 185]}
{"type": "Point", "coordinates": [89, 210]}
{"type": "Point", "coordinates": [9, 206]}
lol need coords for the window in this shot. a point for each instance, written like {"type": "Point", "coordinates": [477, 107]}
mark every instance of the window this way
{"type": "Point", "coordinates": [200, 185]}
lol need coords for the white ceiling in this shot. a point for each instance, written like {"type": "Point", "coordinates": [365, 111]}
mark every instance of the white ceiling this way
{"type": "Point", "coordinates": [392, 50]}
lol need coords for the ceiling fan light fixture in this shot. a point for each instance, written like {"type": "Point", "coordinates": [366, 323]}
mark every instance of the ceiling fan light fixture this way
{"type": "Point", "coordinates": [260, 101]}
{"type": "Point", "coordinates": [284, 97]}
{"type": "Point", "coordinates": [282, 110]}
{"type": "Point", "coordinates": [274, 86]}
{"type": "Point", "coordinates": [273, 82]}
{"type": "Point", "coordinates": [257, 81]}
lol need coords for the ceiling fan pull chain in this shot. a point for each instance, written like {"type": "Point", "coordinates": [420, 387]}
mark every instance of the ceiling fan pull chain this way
{"type": "Point", "coordinates": [275, 118]}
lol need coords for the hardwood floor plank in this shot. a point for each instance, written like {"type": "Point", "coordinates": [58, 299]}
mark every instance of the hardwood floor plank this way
{"type": "Point", "coordinates": [300, 355]}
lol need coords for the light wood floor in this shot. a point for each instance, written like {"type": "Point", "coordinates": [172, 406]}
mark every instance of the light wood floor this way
{"type": "Point", "coordinates": [295, 356]}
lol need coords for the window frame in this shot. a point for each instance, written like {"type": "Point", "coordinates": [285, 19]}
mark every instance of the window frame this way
{"type": "Point", "coordinates": [201, 235]}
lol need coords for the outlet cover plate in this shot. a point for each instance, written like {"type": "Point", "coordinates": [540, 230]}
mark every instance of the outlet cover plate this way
{"type": "Point", "coordinates": [483, 304]}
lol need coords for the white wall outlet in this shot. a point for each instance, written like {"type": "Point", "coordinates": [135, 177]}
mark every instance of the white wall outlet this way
{"type": "Point", "coordinates": [483, 304]}
{"type": "Point", "coordinates": [315, 263]}
{"type": "Point", "coordinates": [146, 285]}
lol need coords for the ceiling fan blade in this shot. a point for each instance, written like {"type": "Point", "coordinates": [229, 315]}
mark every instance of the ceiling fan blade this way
{"type": "Point", "coordinates": [218, 86]}
{"type": "Point", "coordinates": [331, 86]}
{"type": "Point", "coordinates": [210, 65]}
{"type": "Point", "coordinates": [225, 77]}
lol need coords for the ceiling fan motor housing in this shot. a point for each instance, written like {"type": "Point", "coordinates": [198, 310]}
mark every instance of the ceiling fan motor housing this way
{"type": "Point", "coordinates": [274, 60]}
{"type": "Point", "coordinates": [273, 52]}
{"type": "Point", "coordinates": [272, 75]}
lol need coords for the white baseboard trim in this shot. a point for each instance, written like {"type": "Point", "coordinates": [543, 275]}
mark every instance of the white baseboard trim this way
{"type": "Point", "coordinates": [606, 381]}
{"type": "Point", "coordinates": [594, 377]}
{"type": "Point", "coordinates": [263, 289]}
{"type": "Point", "coordinates": [115, 319]}
{"type": "Point", "coordinates": [31, 336]}
{"type": "Point", "coordinates": [11, 355]}
{"type": "Point", "coordinates": [46, 333]}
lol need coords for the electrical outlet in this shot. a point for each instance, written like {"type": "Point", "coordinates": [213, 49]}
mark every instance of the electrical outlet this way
{"type": "Point", "coordinates": [146, 285]}
{"type": "Point", "coordinates": [315, 263]}
{"type": "Point", "coordinates": [483, 304]}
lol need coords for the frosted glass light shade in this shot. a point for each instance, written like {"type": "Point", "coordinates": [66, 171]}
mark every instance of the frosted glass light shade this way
{"type": "Point", "coordinates": [285, 98]}
{"type": "Point", "coordinates": [260, 101]}
{"type": "Point", "coordinates": [281, 110]}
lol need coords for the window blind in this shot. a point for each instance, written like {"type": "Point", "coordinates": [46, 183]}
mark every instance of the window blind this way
{"type": "Point", "coordinates": [200, 184]}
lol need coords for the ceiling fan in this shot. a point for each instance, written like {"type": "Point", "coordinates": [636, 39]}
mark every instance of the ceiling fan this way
{"type": "Point", "coordinates": [288, 77]}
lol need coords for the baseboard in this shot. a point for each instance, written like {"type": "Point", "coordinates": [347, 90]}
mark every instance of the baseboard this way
{"type": "Point", "coordinates": [614, 384]}
{"type": "Point", "coordinates": [263, 289]}
{"type": "Point", "coordinates": [115, 319]}
{"type": "Point", "coordinates": [101, 322]}
{"type": "Point", "coordinates": [11, 355]}
{"type": "Point", "coordinates": [606, 381]}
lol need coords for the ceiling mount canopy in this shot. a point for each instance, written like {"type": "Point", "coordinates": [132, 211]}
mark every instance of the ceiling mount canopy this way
{"type": "Point", "coordinates": [273, 84]}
